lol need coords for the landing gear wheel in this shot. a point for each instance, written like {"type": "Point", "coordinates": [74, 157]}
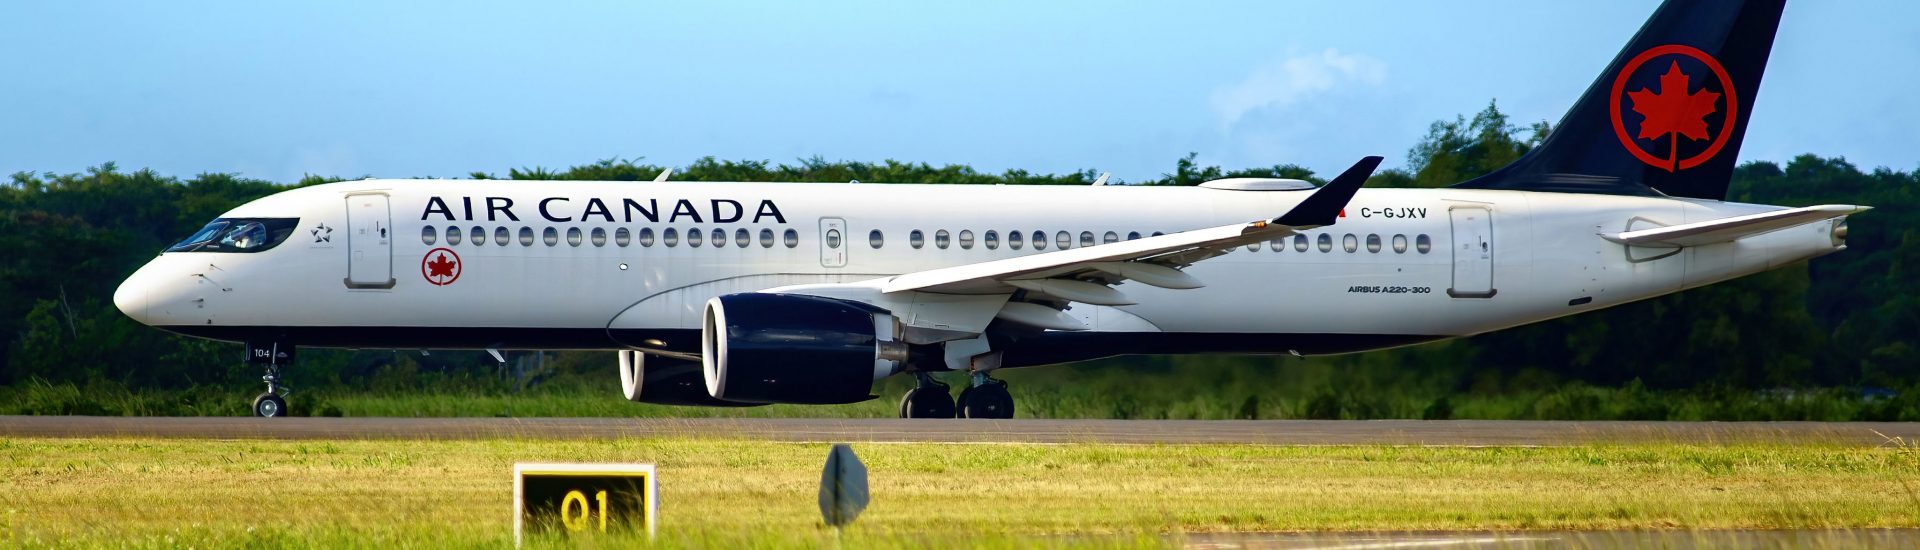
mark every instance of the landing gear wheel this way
{"type": "Point", "coordinates": [269, 405]}
{"type": "Point", "coordinates": [990, 400]}
{"type": "Point", "coordinates": [931, 400]}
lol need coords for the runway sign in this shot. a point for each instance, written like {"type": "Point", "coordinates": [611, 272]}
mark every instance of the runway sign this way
{"type": "Point", "coordinates": [573, 500]}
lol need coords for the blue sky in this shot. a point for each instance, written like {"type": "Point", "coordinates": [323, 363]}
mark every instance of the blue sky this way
{"type": "Point", "coordinates": [409, 89]}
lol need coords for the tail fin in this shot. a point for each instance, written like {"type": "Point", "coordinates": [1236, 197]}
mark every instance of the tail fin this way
{"type": "Point", "coordinates": [1668, 114]}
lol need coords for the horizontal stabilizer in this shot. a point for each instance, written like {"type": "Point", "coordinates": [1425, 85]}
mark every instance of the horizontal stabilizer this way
{"type": "Point", "coordinates": [1730, 229]}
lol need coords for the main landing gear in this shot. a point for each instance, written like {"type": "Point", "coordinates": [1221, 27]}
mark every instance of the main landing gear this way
{"type": "Point", "coordinates": [929, 400]}
{"type": "Point", "coordinates": [984, 397]}
{"type": "Point", "coordinates": [273, 356]}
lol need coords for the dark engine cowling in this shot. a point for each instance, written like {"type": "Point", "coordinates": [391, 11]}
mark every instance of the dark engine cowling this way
{"type": "Point", "coordinates": [791, 348]}
{"type": "Point", "coordinates": [666, 381]}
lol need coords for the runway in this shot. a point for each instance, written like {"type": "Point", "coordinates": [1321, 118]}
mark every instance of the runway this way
{"type": "Point", "coordinates": [1263, 432]}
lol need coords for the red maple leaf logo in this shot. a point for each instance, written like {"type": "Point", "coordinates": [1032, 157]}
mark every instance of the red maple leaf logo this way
{"type": "Point", "coordinates": [1674, 111]}
{"type": "Point", "coordinates": [440, 267]}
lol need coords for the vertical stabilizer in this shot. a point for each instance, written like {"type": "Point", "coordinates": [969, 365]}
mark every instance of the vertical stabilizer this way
{"type": "Point", "coordinates": [1667, 115]}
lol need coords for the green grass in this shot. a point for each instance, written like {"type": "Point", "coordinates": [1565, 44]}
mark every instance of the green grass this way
{"type": "Point", "coordinates": [164, 493]}
{"type": "Point", "coordinates": [1216, 393]}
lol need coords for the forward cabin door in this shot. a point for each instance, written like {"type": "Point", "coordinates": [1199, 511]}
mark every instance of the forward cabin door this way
{"type": "Point", "coordinates": [369, 242]}
{"type": "Point", "coordinates": [833, 242]}
{"type": "Point", "coordinates": [1472, 252]}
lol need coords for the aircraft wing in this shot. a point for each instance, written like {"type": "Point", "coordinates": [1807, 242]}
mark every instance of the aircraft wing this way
{"type": "Point", "coordinates": [1153, 260]}
{"type": "Point", "coordinates": [1730, 229]}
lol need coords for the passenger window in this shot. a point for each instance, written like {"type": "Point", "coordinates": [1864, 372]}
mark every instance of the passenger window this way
{"type": "Point", "coordinates": [501, 236]}
{"type": "Point", "coordinates": [453, 235]}
{"type": "Point", "coordinates": [1422, 243]}
{"type": "Point", "coordinates": [792, 238]}
{"type": "Point", "coordinates": [526, 236]}
{"type": "Point", "coordinates": [1253, 246]}
{"type": "Point", "coordinates": [1015, 240]}
{"type": "Point", "coordinates": [1063, 240]}
{"type": "Point", "coordinates": [766, 238]}
{"type": "Point", "coordinates": [1110, 237]}
{"type": "Point", "coordinates": [1086, 238]}
{"type": "Point", "coordinates": [742, 238]}
{"type": "Point", "coordinates": [478, 236]}
{"type": "Point", "coordinates": [1278, 244]}
{"type": "Point", "coordinates": [833, 238]}
{"type": "Point", "coordinates": [646, 236]}
{"type": "Point", "coordinates": [622, 237]}
{"type": "Point", "coordinates": [429, 235]}
{"type": "Point", "coordinates": [1157, 233]}
{"type": "Point", "coordinates": [1350, 242]}
{"type": "Point", "coordinates": [1399, 244]}
{"type": "Point", "coordinates": [1133, 235]}
{"type": "Point", "coordinates": [993, 239]}
{"type": "Point", "coordinates": [1373, 242]}
{"type": "Point", "coordinates": [1299, 243]}
{"type": "Point", "coordinates": [550, 236]}
{"type": "Point", "coordinates": [695, 237]}
{"type": "Point", "coordinates": [966, 239]}
{"type": "Point", "coordinates": [719, 238]}
{"type": "Point", "coordinates": [916, 239]}
{"type": "Point", "coordinates": [1039, 240]}
{"type": "Point", "coordinates": [941, 239]}
{"type": "Point", "coordinates": [670, 237]}
{"type": "Point", "coordinates": [1326, 242]}
{"type": "Point", "coordinates": [573, 236]}
{"type": "Point", "coordinates": [875, 239]}
{"type": "Point", "coordinates": [598, 237]}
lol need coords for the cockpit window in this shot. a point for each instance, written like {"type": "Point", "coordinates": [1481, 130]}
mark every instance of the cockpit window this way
{"type": "Point", "coordinates": [238, 235]}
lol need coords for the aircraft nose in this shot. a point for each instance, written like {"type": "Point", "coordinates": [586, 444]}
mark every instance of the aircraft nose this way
{"type": "Point", "coordinates": [131, 297]}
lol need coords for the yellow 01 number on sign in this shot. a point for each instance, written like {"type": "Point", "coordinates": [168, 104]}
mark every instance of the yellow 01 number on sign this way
{"type": "Point", "coordinates": [582, 499]}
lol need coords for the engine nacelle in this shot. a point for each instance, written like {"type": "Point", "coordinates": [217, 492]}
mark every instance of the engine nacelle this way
{"type": "Point", "coordinates": [666, 381]}
{"type": "Point", "coordinates": [792, 348]}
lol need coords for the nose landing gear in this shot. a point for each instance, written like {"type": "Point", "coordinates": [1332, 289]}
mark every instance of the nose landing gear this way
{"type": "Point", "coordinates": [273, 356]}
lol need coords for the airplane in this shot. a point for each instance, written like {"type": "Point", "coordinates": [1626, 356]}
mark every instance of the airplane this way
{"type": "Point", "coordinates": [742, 294]}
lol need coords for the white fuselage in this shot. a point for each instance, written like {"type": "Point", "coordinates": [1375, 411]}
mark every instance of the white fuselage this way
{"type": "Point", "coordinates": [1493, 259]}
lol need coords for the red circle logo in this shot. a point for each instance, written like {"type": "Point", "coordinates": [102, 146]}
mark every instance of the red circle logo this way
{"type": "Point", "coordinates": [1674, 110]}
{"type": "Point", "coordinates": [441, 266]}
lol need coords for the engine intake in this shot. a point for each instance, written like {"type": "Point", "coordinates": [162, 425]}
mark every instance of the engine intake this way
{"type": "Point", "coordinates": [791, 348]}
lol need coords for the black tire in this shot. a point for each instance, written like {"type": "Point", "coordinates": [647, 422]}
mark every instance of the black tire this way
{"type": "Point", "coordinates": [927, 402]}
{"type": "Point", "coordinates": [988, 401]}
{"type": "Point", "coordinates": [269, 405]}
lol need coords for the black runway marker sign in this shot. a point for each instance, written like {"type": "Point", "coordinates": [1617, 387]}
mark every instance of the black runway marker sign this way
{"type": "Point", "coordinates": [583, 500]}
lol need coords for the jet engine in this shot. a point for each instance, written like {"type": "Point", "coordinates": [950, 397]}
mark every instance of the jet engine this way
{"type": "Point", "coordinates": [666, 381]}
{"type": "Point", "coordinates": [791, 348]}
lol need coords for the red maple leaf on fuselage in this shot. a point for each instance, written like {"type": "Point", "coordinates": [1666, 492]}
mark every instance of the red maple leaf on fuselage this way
{"type": "Point", "coordinates": [440, 267]}
{"type": "Point", "coordinates": [1674, 110]}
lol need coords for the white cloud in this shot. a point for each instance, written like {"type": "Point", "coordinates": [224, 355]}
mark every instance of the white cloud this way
{"type": "Point", "coordinates": [1284, 82]}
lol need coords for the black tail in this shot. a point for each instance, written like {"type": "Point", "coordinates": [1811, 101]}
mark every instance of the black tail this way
{"type": "Point", "coordinates": [1667, 115]}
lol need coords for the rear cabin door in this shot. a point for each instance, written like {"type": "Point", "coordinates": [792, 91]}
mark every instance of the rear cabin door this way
{"type": "Point", "coordinates": [369, 242]}
{"type": "Point", "coordinates": [1472, 252]}
{"type": "Point", "coordinates": [833, 242]}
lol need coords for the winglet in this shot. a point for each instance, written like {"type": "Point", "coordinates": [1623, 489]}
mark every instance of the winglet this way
{"type": "Point", "coordinates": [664, 174]}
{"type": "Point", "coordinates": [1324, 205]}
